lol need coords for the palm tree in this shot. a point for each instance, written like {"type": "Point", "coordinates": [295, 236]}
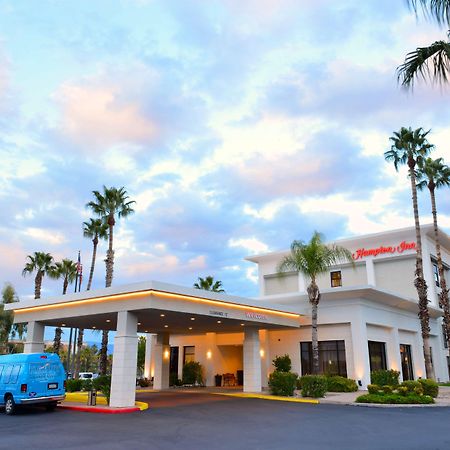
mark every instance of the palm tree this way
{"type": "Point", "coordinates": [313, 259]}
{"type": "Point", "coordinates": [7, 326]}
{"type": "Point", "coordinates": [41, 263]}
{"type": "Point", "coordinates": [431, 62]}
{"type": "Point", "coordinates": [67, 270]}
{"type": "Point", "coordinates": [410, 147]}
{"type": "Point", "coordinates": [434, 174]}
{"type": "Point", "coordinates": [107, 205]}
{"type": "Point", "coordinates": [208, 284]}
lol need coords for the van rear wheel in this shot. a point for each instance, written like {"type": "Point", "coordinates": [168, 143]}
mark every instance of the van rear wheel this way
{"type": "Point", "coordinates": [51, 406]}
{"type": "Point", "coordinates": [10, 405]}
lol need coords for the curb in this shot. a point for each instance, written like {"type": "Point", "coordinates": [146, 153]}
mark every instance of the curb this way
{"type": "Point", "coordinates": [99, 410]}
{"type": "Point", "coordinates": [270, 397]}
{"type": "Point", "coordinates": [102, 408]}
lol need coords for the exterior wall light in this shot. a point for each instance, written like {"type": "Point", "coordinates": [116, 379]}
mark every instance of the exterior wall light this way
{"type": "Point", "coordinates": [166, 354]}
{"type": "Point", "coordinates": [208, 354]}
{"type": "Point", "coordinates": [261, 352]}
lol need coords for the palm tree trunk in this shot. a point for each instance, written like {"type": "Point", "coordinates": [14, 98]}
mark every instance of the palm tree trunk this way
{"type": "Point", "coordinates": [78, 355]}
{"type": "Point", "coordinates": [38, 284]}
{"type": "Point", "coordinates": [65, 285]}
{"type": "Point", "coordinates": [443, 295]}
{"type": "Point", "coordinates": [419, 282]}
{"type": "Point", "coordinates": [94, 256]}
{"type": "Point", "coordinates": [57, 341]}
{"type": "Point", "coordinates": [110, 253]}
{"type": "Point", "coordinates": [314, 297]}
{"type": "Point", "coordinates": [104, 353]}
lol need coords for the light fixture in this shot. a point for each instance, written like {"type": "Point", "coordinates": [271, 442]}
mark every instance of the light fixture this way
{"type": "Point", "coordinates": [162, 315]}
{"type": "Point", "coordinates": [190, 328]}
{"type": "Point", "coordinates": [63, 324]}
{"type": "Point", "coordinates": [208, 354]}
{"type": "Point", "coordinates": [139, 323]}
{"type": "Point", "coordinates": [261, 352]}
{"type": "Point", "coordinates": [94, 328]}
{"type": "Point", "coordinates": [192, 318]}
{"type": "Point", "coordinates": [166, 326]}
{"type": "Point", "coordinates": [219, 321]}
{"type": "Point", "coordinates": [166, 354]}
{"type": "Point", "coordinates": [242, 324]}
{"type": "Point", "coordinates": [146, 331]}
{"type": "Point", "coordinates": [359, 383]}
{"type": "Point", "coordinates": [108, 321]}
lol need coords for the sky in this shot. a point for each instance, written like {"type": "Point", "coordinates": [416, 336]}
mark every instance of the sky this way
{"type": "Point", "coordinates": [236, 126]}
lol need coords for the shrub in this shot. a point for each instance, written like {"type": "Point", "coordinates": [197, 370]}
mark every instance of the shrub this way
{"type": "Point", "coordinates": [430, 387]}
{"type": "Point", "coordinates": [192, 373]}
{"type": "Point", "coordinates": [282, 383]}
{"type": "Point", "coordinates": [412, 387]}
{"type": "Point", "coordinates": [144, 382]}
{"type": "Point", "coordinates": [103, 384]}
{"type": "Point", "coordinates": [313, 385]}
{"type": "Point", "coordinates": [387, 389]}
{"type": "Point", "coordinates": [385, 377]}
{"type": "Point", "coordinates": [86, 385]}
{"type": "Point", "coordinates": [282, 363]}
{"type": "Point", "coordinates": [73, 385]}
{"type": "Point", "coordinates": [341, 384]}
{"type": "Point", "coordinates": [374, 389]}
{"type": "Point", "coordinates": [395, 399]}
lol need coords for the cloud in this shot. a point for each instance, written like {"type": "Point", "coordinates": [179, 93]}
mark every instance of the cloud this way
{"type": "Point", "coordinates": [252, 245]}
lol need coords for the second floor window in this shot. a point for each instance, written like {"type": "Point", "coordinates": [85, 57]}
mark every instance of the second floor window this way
{"type": "Point", "coordinates": [436, 274]}
{"type": "Point", "coordinates": [336, 278]}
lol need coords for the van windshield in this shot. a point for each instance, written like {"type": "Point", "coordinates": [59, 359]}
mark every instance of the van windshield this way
{"type": "Point", "coordinates": [45, 371]}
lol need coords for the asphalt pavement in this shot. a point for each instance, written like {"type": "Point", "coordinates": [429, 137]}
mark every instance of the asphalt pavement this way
{"type": "Point", "coordinates": [180, 420]}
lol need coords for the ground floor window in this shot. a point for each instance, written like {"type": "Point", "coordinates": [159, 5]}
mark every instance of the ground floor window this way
{"type": "Point", "coordinates": [377, 355]}
{"type": "Point", "coordinates": [331, 358]}
{"type": "Point", "coordinates": [173, 364]}
{"type": "Point", "coordinates": [189, 354]}
{"type": "Point", "coordinates": [407, 367]}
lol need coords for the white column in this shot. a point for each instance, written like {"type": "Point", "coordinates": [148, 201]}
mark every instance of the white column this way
{"type": "Point", "coordinates": [360, 351]}
{"type": "Point", "coordinates": [393, 352]}
{"type": "Point", "coordinates": [148, 356]}
{"type": "Point", "coordinates": [370, 272]}
{"type": "Point", "coordinates": [162, 361]}
{"type": "Point", "coordinates": [252, 361]}
{"type": "Point", "coordinates": [211, 358]}
{"type": "Point", "coordinates": [265, 357]}
{"type": "Point", "coordinates": [35, 338]}
{"type": "Point", "coordinates": [123, 383]}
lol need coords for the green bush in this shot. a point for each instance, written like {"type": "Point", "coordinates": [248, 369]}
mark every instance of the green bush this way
{"type": "Point", "coordinates": [73, 385]}
{"type": "Point", "coordinates": [282, 363]}
{"type": "Point", "coordinates": [374, 389]}
{"type": "Point", "coordinates": [385, 377]}
{"type": "Point", "coordinates": [430, 387]}
{"type": "Point", "coordinates": [192, 373]}
{"type": "Point", "coordinates": [412, 387]}
{"type": "Point", "coordinates": [103, 384]}
{"type": "Point", "coordinates": [282, 383]}
{"type": "Point", "coordinates": [86, 385]}
{"type": "Point", "coordinates": [313, 385]}
{"type": "Point", "coordinates": [341, 384]}
{"type": "Point", "coordinates": [395, 399]}
{"type": "Point", "coordinates": [144, 382]}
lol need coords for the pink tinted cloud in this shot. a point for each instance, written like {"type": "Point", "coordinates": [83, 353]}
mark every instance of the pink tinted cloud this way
{"type": "Point", "coordinates": [102, 114]}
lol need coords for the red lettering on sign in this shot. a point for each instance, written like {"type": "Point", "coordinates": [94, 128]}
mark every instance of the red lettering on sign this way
{"type": "Point", "coordinates": [381, 250]}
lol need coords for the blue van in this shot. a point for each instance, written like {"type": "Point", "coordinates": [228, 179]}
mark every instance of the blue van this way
{"type": "Point", "coordinates": [29, 379]}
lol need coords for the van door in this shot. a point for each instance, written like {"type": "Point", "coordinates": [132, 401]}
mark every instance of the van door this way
{"type": "Point", "coordinates": [45, 378]}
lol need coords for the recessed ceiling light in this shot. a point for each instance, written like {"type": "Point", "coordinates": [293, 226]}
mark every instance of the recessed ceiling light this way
{"type": "Point", "coordinates": [63, 324]}
{"type": "Point", "coordinates": [162, 315]}
{"type": "Point", "coordinates": [94, 328]}
{"type": "Point", "coordinates": [166, 326]}
{"type": "Point", "coordinates": [219, 321]}
{"type": "Point", "coordinates": [146, 331]}
{"type": "Point", "coordinates": [190, 328]}
{"type": "Point", "coordinates": [139, 323]}
{"type": "Point", "coordinates": [108, 320]}
{"type": "Point", "coordinates": [242, 324]}
{"type": "Point", "coordinates": [192, 318]}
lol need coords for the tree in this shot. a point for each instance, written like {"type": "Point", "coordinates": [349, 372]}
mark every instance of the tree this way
{"type": "Point", "coordinates": [94, 229]}
{"type": "Point", "coordinates": [107, 205]}
{"type": "Point", "coordinates": [7, 326]}
{"type": "Point", "coordinates": [313, 259]}
{"type": "Point", "coordinates": [141, 355]}
{"type": "Point", "coordinates": [41, 263]}
{"type": "Point", "coordinates": [434, 174]}
{"type": "Point", "coordinates": [208, 284]}
{"type": "Point", "coordinates": [67, 270]}
{"type": "Point", "coordinates": [410, 147]}
{"type": "Point", "coordinates": [432, 62]}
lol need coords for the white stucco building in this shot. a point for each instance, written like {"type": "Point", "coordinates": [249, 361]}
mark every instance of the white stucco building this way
{"type": "Point", "coordinates": [367, 320]}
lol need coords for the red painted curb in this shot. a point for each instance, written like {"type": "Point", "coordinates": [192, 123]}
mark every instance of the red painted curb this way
{"type": "Point", "coordinates": [97, 410]}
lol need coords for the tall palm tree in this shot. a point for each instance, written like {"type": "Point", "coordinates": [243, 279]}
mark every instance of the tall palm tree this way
{"type": "Point", "coordinates": [434, 174]}
{"type": "Point", "coordinates": [107, 205]}
{"type": "Point", "coordinates": [41, 263]}
{"type": "Point", "coordinates": [7, 326]}
{"type": "Point", "coordinates": [432, 62]}
{"type": "Point", "coordinates": [410, 147]}
{"type": "Point", "coordinates": [95, 229]}
{"type": "Point", "coordinates": [313, 259]}
{"type": "Point", "coordinates": [208, 284]}
{"type": "Point", "coordinates": [67, 270]}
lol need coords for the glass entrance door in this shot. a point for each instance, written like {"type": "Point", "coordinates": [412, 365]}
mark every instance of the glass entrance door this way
{"type": "Point", "coordinates": [173, 367]}
{"type": "Point", "coordinates": [407, 368]}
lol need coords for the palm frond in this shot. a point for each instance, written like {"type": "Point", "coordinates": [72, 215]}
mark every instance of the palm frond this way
{"type": "Point", "coordinates": [439, 10]}
{"type": "Point", "coordinates": [431, 63]}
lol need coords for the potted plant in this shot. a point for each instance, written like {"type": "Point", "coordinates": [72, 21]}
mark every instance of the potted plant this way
{"type": "Point", "coordinates": [218, 379]}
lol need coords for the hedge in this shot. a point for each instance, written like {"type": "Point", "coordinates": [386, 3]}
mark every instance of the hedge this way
{"type": "Point", "coordinates": [395, 399]}
{"type": "Point", "coordinates": [313, 385]}
{"type": "Point", "coordinates": [385, 377]}
{"type": "Point", "coordinates": [282, 383]}
{"type": "Point", "coordinates": [341, 384]}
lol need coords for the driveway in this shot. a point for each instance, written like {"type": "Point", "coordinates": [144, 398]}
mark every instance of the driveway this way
{"type": "Point", "coordinates": [184, 420]}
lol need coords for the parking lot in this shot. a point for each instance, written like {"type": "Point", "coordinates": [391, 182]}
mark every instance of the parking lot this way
{"type": "Point", "coordinates": [178, 419]}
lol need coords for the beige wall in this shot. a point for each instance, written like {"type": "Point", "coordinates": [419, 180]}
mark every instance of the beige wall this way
{"type": "Point", "coordinates": [356, 276]}
{"type": "Point", "coordinates": [396, 275]}
{"type": "Point", "coordinates": [274, 284]}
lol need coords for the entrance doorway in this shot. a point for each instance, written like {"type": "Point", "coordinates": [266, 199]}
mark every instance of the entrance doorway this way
{"type": "Point", "coordinates": [173, 365]}
{"type": "Point", "coordinates": [407, 368]}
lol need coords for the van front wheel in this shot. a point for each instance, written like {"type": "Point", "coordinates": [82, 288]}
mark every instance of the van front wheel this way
{"type": "Point", "coordinates": [10, 406]}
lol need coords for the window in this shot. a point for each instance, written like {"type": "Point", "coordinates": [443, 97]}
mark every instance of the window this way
{"type": "Point", "coordinates": [331, 358]}
{"type": "Point", "coordinates": [1, 370]}
{"type": "Point", "coordinates": [7, 374]}
{"type": "Point", "coordinates": [377, 355]}
{"type": "Point", "coordinates": [436, 274]}
{"type": "Point", "coordinates": [336, 278]}
{"type": "Point", "coordinates": [444, 336]}
{"type": "Point", "coordinates": [189, 354]}
{"type": "Point", "coordinates": [407, 367]}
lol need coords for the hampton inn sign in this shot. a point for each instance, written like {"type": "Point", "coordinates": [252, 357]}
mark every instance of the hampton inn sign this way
{"type": "Point", "coordinates": [381, 250]}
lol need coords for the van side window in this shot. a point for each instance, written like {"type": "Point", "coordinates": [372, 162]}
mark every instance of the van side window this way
{"type": "Point", "coordinates": [7, 374]}
{"type": "Point", "coordinates": [15, 373]}
{"type": "Point", "coordinates": [1, 371]}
